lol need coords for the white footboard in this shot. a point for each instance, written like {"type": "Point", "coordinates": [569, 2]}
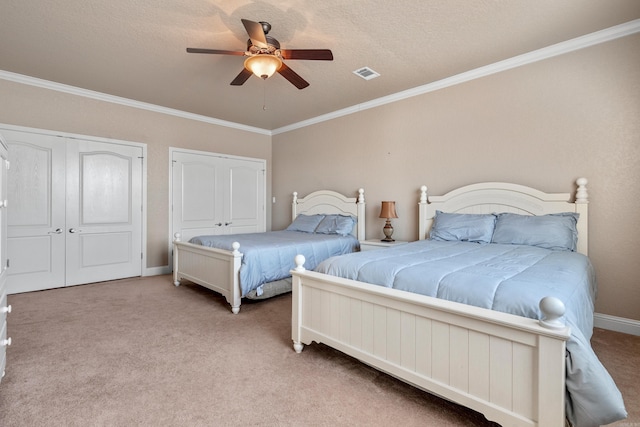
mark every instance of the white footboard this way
{"type": "Point", "coordinates": [507, 367]}
{"type": "Point", "coordinates": [212, 268]}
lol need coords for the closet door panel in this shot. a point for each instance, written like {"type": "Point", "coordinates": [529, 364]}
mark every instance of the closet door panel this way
{"type": "Point", "coordinates": [35, 217]}
{"type": "Point", "coordinates": [197, 199]}
{"type": "Point", "coordinates": [246, 197]}
{"type": "Point", "coordinates": [199, 204]}
{"type": "Point", "coordinates": [103, 212]}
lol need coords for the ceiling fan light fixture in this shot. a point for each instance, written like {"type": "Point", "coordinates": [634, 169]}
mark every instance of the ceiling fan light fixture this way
{"type": "Point", "coordinates": [263, 65]}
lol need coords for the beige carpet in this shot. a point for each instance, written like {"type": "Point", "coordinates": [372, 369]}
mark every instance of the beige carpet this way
{"type": "Point", "coordinates": [142, 352]}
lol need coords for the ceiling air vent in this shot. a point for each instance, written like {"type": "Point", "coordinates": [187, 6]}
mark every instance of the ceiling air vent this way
{"type": "Point", "coordinates": [366, 73]}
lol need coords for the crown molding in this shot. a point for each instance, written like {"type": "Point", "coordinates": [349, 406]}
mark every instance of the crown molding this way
{"type": "Point", "coordinates": [562, 48]}
{"type": "Point", "coordinates": [99, 96]}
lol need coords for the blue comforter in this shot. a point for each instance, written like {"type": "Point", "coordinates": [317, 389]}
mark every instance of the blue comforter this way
{"type": "Point", "coordinates": [269, 256]}
{"type": "Point", "coordinates": [507, 278]}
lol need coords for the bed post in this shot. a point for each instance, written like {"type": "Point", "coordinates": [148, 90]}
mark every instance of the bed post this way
{"type": "Point", "coordinates": [423, 227]}
{"type": "Point", "coordinates": [582, 204]}
{"type": "Point", "coordinates": [296, 304]}
{"type": "Point", "coordinates": [361, 215]}
{"type": "Point", "coordinates": [176, 280]}
{"type": "Point", "coordinates": [294, 205]}
{"type": "Point", "coordinates": [235, 294]}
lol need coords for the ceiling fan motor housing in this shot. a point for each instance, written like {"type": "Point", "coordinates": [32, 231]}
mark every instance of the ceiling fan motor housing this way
{"type": "Point", "coordinates": [272, 42]}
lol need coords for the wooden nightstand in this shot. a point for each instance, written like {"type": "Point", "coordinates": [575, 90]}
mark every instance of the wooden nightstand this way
{"type": "Point", "coordinates": [371, 245]}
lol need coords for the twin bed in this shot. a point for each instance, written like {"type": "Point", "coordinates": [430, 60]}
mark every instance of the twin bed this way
{"type": "Point", "coordinates": [257, 265]}
{"type": "Point", "coordinates": [476, 313]}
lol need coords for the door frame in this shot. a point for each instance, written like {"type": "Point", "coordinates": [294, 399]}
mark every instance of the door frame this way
{"type": "Point", "coordinates": [209, 154]}
{"type": "Point", "coordinates": [143, 146]}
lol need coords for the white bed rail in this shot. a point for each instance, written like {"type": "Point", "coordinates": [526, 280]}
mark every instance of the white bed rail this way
{"type": "Point", "coordinates": [507, 367]}
{"type": "Point", "coordinates": [212, 268]}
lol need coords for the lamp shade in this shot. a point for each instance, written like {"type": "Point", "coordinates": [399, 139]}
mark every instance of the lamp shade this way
{"type": "Point", "coordinates": [388, 210]}
{"type": "Point", "coordinates": [263, 65]}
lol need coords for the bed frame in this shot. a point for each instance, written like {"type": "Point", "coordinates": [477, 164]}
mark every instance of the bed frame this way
{"type": "Point", "coordinates": [219, 269]}
{"type": "Point", "coordinates": [507, 367]}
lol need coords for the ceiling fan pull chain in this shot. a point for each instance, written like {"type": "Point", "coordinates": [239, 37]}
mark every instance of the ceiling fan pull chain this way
{"type": "Point", "coordinates": [264, 95]}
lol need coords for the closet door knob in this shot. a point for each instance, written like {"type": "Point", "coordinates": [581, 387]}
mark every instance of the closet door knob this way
{"type": "Point", "coordinates": [58, 231]}
{"type": "Point", "coordinates": [73, 230]}
{"type": "Point", "coordinates": [228, 223]}
{"type": "Point", "coordinates": [6, 342]}
{"type": "Point", "coordinates": [6, 309]}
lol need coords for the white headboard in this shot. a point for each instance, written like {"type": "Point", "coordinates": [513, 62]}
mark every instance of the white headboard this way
{"type": "Point", "coordinates": [331, 202]}
{"type": "Point", "coordinates": [497, 197]}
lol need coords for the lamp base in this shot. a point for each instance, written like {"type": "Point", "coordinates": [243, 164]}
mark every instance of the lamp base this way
{"type": "Point", "coordinates": [388, 232]}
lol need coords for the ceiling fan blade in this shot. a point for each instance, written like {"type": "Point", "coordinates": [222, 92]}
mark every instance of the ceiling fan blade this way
{"type": "Point", "coordinates": [292, 76]}
{"type": "Point", "coordinates": [219, 52]}
{"type": "Point", "coordinates": [242, 77]}
{"type": "Point", "coordinates": [256, 33]}
{"type": "Point", "coordinates": [312, 54]}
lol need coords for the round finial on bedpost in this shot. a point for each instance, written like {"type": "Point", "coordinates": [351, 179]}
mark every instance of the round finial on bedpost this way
{"type": "Point", "coordinates": [552, 311]}
{"type": "Point", "coordinates": [176, 237]}
{"type": "Point", "coordinates": [299, 260]}
{"type": "Point", "coordinates": [582, 195]}
{"type": "Point", "coordinates": [295, 197]}
{"type": "Point", "coordinates": [423, 194]}
{"type": "Point", "coordinates": [361, 195]}
{"type": "Point", "coordinates": [235, 246]}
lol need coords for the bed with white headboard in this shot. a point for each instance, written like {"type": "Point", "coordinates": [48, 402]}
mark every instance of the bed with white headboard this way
{"type": "Point", "coordinates": [219, 269]}
{"type": "Point", "coordinates": [509, 367]}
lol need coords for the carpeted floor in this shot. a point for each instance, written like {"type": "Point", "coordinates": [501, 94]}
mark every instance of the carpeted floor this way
{"type": "Point", "coordinates": [141, 352]}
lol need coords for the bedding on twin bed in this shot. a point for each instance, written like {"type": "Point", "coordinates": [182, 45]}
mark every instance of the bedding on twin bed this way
{"type": "Point", "coordinates": [506, 263]}
{"type": "Point", "coordinates": [268, 256]}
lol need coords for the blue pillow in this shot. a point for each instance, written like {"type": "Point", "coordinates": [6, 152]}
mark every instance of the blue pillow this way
{"type": "Point", "coordinates": [336, 224]}
{"type": "Point", "coordinates": [306, 223]}
{"type": "Point", "coordinates": [463, 227]}
{"type": "Point", "coordinates": [552, 231]}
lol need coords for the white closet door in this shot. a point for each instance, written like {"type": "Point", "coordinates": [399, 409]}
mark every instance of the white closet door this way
{"type": "Point", "coordinates": [35, 216]}
{"type": "Point", "coordinates": [104, 211]}
{"type": "Point", "coordinates": [214, 194]}
{"type": "Point", "coordinates": [198, 201]}
{"type": "Point", "coordinates": [246, 207]}
{"type": "Point", "coordinates": [75, 214]}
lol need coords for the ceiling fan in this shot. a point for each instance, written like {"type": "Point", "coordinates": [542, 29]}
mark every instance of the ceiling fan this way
{"type": "Point", "coordinates": [264, 56]}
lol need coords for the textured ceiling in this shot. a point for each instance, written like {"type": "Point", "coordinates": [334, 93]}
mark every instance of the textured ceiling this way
{"type": "Point", "coordinates": [136, 49]}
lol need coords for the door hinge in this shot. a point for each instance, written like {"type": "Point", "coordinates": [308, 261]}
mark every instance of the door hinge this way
{"type": "Point", "coordinates": [8, 262]}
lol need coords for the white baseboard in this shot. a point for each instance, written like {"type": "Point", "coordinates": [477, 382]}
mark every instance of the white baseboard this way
{"type": "Point", "coordinates": [618, 324]}
{"type": "Point", "coordinates": [157, 271]}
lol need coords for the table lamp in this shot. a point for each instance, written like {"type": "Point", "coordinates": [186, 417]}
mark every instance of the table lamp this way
{"type": "Point", "coordinates": [388, 211]}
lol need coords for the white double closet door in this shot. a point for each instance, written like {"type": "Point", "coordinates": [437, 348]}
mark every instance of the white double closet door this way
{"type": "Point", "coordinates": [75, 214]}
{"type": "Point", "coordinates": [214, 194]}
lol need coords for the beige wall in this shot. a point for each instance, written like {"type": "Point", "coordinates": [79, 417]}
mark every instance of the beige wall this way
{"type": "Point", "coordinates": [22, 105]}
{"type": "Point", "coordinates": [542, 125]}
